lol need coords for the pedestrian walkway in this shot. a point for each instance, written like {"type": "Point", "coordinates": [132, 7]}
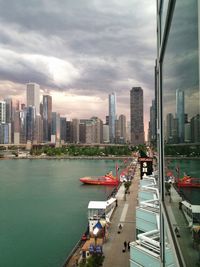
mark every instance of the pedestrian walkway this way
{"type": "Point", "coordinates": [124, 215]}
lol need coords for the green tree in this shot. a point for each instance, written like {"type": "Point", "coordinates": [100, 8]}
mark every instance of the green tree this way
{"type": "Point", "coordinates": [93, 261]}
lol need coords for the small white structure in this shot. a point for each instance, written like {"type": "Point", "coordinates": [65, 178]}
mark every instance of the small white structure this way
{"type": "Point", "coordinates": [100, 210]}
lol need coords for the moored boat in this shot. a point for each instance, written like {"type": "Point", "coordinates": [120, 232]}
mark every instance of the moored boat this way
{"type": "Point", "coordinates": [107, 179]}
{"type": "Point", "coordinates": [188, 181]}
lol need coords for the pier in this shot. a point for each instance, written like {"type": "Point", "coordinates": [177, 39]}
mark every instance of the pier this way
{"type": "Point", "coordinates": [124, 214]}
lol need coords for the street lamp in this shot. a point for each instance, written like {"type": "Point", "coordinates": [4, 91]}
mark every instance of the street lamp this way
{"type": "Point", "coordinates": [95, 233]}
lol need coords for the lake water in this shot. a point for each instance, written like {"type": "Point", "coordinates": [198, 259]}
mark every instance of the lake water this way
{"type": "Point", "coordinates": [44, 208]}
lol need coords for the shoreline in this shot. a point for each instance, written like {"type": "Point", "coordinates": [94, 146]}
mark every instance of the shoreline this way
{"type": "Point", "coordinates": [69, 157]}
{"type": "Point", "coordinates": [184, 158]}
{"type": "Point", "coordinates": [77, 248]}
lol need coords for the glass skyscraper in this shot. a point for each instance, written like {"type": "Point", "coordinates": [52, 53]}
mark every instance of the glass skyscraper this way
{"type": "Point", "coordinates": [47, 117]}
{"type": "Point", "coordinates": [179, 129]}
{"type": "Point", "coordinates": [112, 116]}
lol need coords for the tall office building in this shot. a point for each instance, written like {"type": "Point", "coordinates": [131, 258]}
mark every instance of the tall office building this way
{"type": "Point", "coordinates": [5, 128]}
{"type": "Point", "coordinates": [180, 114]}
{"type": "Point", "coordinates": [107, 120]}
{"type": "Point", "coordinates": [106, 134]}
{"type": "Point", "coordinates": [16, 127]}
{"type": "Point", "coordinates": [5, 133]}
{"type": "Point", "coordinates": [112, 116]}
{"type": "Point", "coordinates": [98, 130]}
{"type": "Point", "coordinates": [178, 67]}
{"type": "Point", "coordinates": [195, 129]}
{"type": "Point", "coordinates": [31, 123]}
{"type": "Point", "coordinates": [10, 116]}
{"type": "Point", "coordinates": [23, 126]}
{"type": "Point", "coordinates": [2, 112]}
{"type": "Point", "coordinates": [55, 127]}
{"type": "Point", "coordinates": [38, 131]}
{"type": "Point", "coordinates": [33, 96]}
{"type": "Point", "coordinates": [63, 130]}
{"type": "Point", "coordinates": [47, 117]}
{"type": "Point", "coordinates": [152, 124]}
{"type": "Point", "coordinates": [137, 121]}
{"type": "Point", "coordinates": [91, 131]}
{"type": "Point", "coordinates": [128, 131]}
{"type": "Point", "coordinates": [120, 130]}
{"type": "Point", "coordinates": [9, 110]}
{"type": "Point", "coordinates": [68, 131]}
{"type": "Point", "coordinates": [75, 130]}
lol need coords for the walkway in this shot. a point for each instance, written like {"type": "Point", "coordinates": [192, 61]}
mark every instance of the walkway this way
{"type": "Point", "coordinates": [124, 214]}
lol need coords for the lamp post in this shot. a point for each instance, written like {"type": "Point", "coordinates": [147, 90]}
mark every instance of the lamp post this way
{"type": "Point", "coordinates": [95, 232]}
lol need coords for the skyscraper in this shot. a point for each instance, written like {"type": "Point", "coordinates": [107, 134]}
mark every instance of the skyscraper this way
{"type": "Point", "coordinates": [2, 112]}
{"type": "Point", "coordinates": [152, 124]}
{"type": "Point", "coordinates": [75, 130]}
{"type": "Point", "coordinates": [23, 126]}
{"type": "Point", "coordinates": [137, 123]}
{"type": "Point", "coordinates": [169, 128]}
{"type": "Point", "coordinates": [122, 128]}
{"type": "Point", "coordinates": [30, 122]}
{"type": "Point", "coordinates": [180, 113]}
{"type": "Point", "coordinates": [33, 96]}
{"type": "Point", "coordinates": [63, 130]}
{"type": "Point", "coordinates": [47, 117]}
{"type": "Point", "coordinates": [112, 116]}
{"type": "Point", "coordinates": [9, 110]}
{"type": "Point", "coordinates": [55, 127]}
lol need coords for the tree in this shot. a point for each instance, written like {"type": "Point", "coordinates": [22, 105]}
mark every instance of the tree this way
{"type": "Point", "coordinates": [95, 260]}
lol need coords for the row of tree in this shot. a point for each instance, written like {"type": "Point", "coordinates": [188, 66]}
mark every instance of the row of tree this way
{"type": "Point", "coordinates": [182, 150]}
{"type": "Point", "coordinates": [74, 150]}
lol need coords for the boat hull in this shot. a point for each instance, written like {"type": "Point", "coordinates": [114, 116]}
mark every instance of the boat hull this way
{"type": "Point", "coordinates": [188, 181]}
{"type": "Point", "coordinates": [188, 185]}
{"type": "Point", "coordinates": [101, 181]}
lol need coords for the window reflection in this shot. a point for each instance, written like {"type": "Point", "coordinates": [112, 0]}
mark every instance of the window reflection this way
{"type": "Point", "coordinates": [181, 77]}
{"type": "Point", "coordinates": [181, 118]}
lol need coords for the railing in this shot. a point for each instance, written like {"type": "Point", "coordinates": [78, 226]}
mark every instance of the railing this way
{"type": "Point", "coordinates": [72, 253]}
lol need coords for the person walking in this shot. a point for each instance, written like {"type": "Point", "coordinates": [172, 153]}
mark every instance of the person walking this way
{"type": "Point", "coordinates": [128, 245]}
{"type": "Point", "coordinates": [120, 228]}
{"type": "Point", "coordinates": [125, 245]}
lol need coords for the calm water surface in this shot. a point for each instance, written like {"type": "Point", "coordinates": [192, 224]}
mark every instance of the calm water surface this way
{"type": "Point", "coordinates": [44, 208]}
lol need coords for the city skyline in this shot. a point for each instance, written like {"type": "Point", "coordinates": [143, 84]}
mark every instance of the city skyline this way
{"type": "Point", "coordinates": [36, 122]}
{"type": "Point", "coordinates": [79, 60]}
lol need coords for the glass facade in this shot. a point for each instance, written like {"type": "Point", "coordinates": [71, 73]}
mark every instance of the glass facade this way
{"type": "Point", "coordinates": [179, 123]}
{"type": "Point", "coordinates": [112, 116]}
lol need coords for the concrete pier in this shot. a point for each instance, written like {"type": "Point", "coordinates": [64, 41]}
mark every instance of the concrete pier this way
{"type": "Point", "coordinates": [125, 215]}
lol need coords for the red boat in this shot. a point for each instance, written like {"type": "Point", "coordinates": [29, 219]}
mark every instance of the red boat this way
{"type": "Point", "coordinates": [188, 181]}
{"type": "Point", "coordinates": [107, 179]}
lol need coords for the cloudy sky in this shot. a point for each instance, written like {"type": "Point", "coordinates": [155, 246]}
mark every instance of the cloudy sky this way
{"type": "Point", "coordinates": [79, 51]}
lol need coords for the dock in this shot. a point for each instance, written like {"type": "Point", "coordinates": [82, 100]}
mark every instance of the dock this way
{"type": "Point", "coordinates": [124, 214]}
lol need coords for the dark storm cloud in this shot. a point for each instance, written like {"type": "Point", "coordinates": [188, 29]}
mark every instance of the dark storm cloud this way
{"type": "Point", "coordinates": [107, 45]}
